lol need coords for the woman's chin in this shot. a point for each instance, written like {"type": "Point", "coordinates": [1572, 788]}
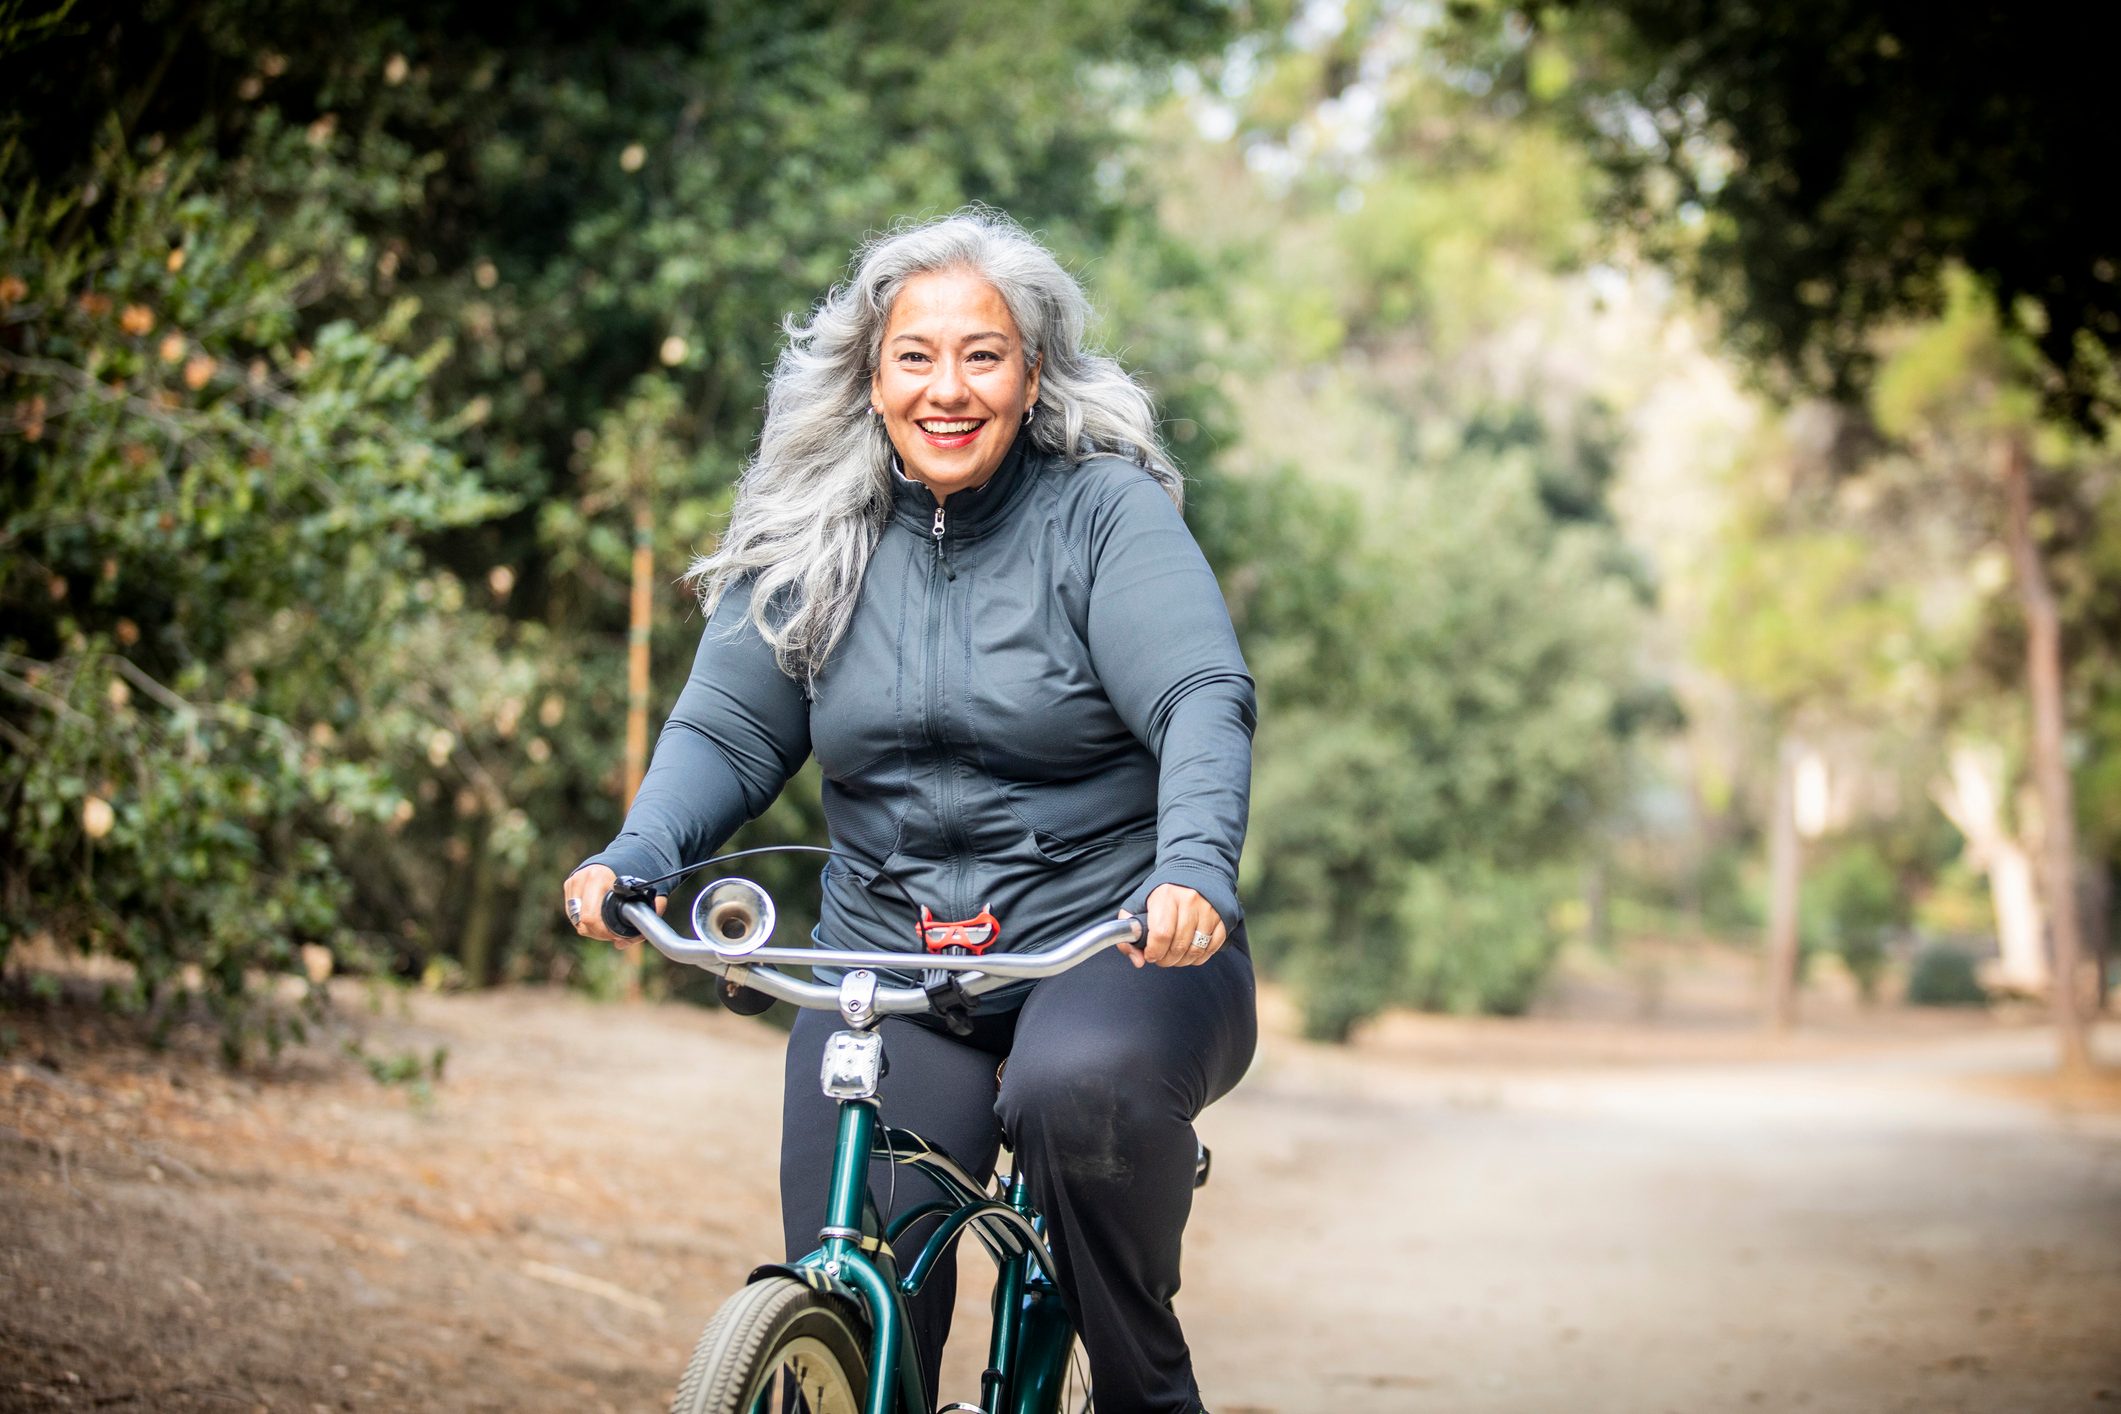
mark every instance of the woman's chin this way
{"type": "Point", "coordinates": [960, 474]}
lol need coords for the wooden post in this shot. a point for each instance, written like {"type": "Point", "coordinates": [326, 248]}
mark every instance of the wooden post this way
{"type": "Point", "coordinates": [2058, 833]}
{"type": "Point", "coordinates": [475, 947]}
{"type": "Point", "coordinates": [639, 623]}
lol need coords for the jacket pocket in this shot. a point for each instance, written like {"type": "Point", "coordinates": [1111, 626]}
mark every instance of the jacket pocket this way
{"type": "Point", "coordinates": [1055, 850]}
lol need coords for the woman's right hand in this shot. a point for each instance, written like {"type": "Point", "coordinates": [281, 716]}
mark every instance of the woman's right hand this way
{"type": "Point", "coordinates": [584, 902]}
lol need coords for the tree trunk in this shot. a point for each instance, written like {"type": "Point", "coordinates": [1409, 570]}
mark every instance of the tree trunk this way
{"type": "Point", "coordinates": [1785, 881]}
{"type": "Point", "coordinates": [1971, 796]}
{"type": "Point", "coordinates": [2099, 913]}
{"type": "Point", "coordinates": [2021, 930]}
{"type": "Point", "coordinates": [2058, 834]}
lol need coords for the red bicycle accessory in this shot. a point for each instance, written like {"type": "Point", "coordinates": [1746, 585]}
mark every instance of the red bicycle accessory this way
{"type": "Point", "coordinates": [974, 935]}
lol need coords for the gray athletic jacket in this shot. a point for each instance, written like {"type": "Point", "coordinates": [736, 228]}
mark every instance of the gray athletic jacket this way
{"type": "Point", "coordinates": [1039, 708]}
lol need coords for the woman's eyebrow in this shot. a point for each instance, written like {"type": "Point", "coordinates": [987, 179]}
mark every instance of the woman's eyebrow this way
{"type": "Point", "coordinates": [969, 338]}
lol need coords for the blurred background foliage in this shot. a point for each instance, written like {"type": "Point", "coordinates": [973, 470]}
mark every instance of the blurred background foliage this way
{"type": "Point", "coordinates": [1581, 402]}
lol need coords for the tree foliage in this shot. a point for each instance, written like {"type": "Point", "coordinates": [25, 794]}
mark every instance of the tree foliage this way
{"type": "Point", "coordinates": [331, 337]}
{"type": "Point", "coordinates": [1831, 164]}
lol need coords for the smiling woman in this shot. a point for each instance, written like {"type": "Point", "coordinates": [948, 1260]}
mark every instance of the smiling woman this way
{"type": "Point", "coordinates": [956, 572]}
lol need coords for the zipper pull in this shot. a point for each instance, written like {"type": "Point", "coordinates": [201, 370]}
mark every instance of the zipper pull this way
{"type": "Point", "coordinates": [949, 570]}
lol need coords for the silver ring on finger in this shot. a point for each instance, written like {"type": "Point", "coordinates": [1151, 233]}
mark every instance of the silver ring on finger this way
{"type": "Point", "coordinates": [1202, 942]}
{"type": "Point", "coordinates": [574, 912]}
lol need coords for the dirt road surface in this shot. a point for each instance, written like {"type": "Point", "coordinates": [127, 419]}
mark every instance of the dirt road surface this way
{"type": "Point", "coordinates": [1560, 1214]}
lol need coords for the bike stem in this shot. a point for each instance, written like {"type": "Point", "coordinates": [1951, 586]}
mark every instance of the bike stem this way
{"type": "Point", "coordinates": [850, 1176]}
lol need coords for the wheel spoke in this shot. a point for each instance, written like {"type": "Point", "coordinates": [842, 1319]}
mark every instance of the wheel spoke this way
{"type": "Point", "coordinates": [803, 1384]}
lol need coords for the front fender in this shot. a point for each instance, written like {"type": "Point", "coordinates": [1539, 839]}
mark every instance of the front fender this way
{"type": "Point", "coordinates": [893, 1364]}
{"type": "Point", "coordinates": [813, 1277]}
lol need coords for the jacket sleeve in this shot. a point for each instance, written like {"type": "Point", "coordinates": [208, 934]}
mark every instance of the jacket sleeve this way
{"type": "Point", "coordinates": [1162, 645]}
{"type": "Point", "coordinates": [740, 729]}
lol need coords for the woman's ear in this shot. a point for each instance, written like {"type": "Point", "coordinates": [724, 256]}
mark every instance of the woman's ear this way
{"type": "Point", "coordinates": [1031, 391]}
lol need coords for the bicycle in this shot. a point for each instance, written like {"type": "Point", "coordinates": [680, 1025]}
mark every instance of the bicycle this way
{"type": "Point", "coordinates": [830, 1333]}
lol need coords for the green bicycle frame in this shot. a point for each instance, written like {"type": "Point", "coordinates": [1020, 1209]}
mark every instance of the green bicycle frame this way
{"type": "Point", "coordinates": [1027, 1356]}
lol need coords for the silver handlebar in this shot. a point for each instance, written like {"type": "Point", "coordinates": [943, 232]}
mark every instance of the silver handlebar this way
{"type": "Point", "coordinates": [751, 966]}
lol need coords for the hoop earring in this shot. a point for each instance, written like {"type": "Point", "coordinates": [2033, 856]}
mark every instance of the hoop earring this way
{"type": "Point", "coordinates": [1029, 413]}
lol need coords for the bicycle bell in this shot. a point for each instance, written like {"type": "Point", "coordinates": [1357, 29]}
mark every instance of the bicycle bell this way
{"type": "Point", "coordinates": [735, 915]}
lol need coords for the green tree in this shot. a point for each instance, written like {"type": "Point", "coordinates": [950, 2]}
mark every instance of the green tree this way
{"type": "Point", "coordinates": [1446, 695]}
{"type": "Point", "coordinates": [1416, 539]}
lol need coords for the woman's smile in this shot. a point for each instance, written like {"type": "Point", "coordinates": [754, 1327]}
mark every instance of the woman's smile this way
{"type": "Point", "coordinates": [948, 435]}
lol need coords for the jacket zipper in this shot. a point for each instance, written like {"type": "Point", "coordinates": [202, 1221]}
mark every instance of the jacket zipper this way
{"type": "Point", "coordinates": [946, 765]}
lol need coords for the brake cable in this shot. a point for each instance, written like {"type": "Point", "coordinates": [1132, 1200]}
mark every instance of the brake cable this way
{"type": "Point", "coordinates": [880, 872]}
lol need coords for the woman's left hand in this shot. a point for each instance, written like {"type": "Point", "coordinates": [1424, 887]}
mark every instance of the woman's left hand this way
{"type": "Point", "coordinates": [1178, 922]}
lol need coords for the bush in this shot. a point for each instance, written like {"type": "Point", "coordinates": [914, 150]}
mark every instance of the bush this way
{"type": "Point", "coordinates": [1853, 905]}
{"type": "Point", "coordinates": [1944, 976]}
{"type": "Point", "coordinates": [1339, 988]}
{"type": "Point", "coordinates": [214, 517]}
{"type": "Point", "coordinates": [1478, 941]}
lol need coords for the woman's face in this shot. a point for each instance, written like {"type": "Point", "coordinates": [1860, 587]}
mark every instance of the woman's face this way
{"type": "Point", "coordinates": [952, 383]}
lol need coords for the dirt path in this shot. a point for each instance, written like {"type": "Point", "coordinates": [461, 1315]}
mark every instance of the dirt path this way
{"type": "Point", "coordinates": [1846, 1236]}
{"type": "Point", "coordinates": [1547, 1216]}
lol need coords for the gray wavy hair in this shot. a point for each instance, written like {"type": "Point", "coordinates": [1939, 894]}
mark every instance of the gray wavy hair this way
{"type": "Point", "coordinates": [813, 501]}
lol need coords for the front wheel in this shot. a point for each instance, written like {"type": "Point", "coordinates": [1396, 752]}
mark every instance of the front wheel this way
{"type": "Point", "coordinates": [777, 1347]}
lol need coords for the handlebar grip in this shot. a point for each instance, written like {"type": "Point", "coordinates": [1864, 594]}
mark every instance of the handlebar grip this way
{"type": "Point", "coordinates": [628, 889]}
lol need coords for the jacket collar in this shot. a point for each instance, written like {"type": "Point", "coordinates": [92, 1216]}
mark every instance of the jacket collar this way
{"type": "Point", "coordinates": [969, 512]}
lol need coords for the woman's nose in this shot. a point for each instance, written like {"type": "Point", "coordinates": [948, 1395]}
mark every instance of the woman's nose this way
{"type": "Point", "coordinates": [948, 385]}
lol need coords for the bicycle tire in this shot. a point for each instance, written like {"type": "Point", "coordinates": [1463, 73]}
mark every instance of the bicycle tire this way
{"type": "Point", "coordinates": [778, 1330]}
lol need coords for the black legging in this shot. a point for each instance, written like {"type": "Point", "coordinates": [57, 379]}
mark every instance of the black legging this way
{"type": "Point", "coordinates": [1108, 1065]}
